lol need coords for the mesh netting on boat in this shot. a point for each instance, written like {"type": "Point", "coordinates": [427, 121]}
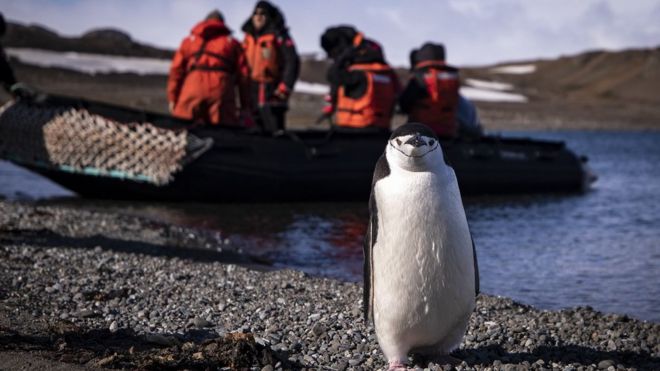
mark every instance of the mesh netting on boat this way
{"type": "Point", "coordinates": [74, 140]}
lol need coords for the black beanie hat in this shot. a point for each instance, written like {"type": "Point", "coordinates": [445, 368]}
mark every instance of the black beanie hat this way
{"type": "Point", "coordinates": [428, 52]}
{"type": "Point", "coordinates": [215, 14]}
{"type": "Point", "coordinates": [339, 36]}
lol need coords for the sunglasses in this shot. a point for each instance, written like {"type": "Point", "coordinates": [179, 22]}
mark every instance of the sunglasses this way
{"type": "Point", "coordinates": [260, 12]}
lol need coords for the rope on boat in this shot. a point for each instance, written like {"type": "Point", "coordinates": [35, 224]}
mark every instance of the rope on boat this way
{"type": "Point", "coordinates": [74, 140]}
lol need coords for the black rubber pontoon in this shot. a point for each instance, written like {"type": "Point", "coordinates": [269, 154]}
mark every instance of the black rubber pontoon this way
{"type": "Point", "coordinates": [320, 166]}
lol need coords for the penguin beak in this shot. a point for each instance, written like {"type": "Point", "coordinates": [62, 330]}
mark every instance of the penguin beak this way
{"type": "Point", "coordinates": [416, 141]}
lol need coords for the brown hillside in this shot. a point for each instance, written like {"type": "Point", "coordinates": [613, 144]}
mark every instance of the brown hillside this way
{"type": "Point", "coordinates": [100, 41]}
{"type": "Point", "coordinates": [631, 76]}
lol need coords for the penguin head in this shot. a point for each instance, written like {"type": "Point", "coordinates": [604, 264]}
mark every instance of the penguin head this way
{"type": "Point", "coordinates": [414, 147]}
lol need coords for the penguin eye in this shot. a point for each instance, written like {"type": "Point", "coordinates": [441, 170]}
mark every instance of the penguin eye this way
{"type": "Point", "coordinates": [431, 142]}
{"type": "Point", "coordinates": [398, 141]}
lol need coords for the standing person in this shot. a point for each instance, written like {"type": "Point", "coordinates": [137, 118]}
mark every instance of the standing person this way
{"type": "Point", "coordinates": [363, 87]}
{"type": "Point", "coordinates": [206, 70]}
{"type": "Point", "coordinates": [432, 95]}
{"type": "Point", "coordinates": [274, 64]}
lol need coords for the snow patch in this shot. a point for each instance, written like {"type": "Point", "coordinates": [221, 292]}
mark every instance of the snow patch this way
{"type": "Point", "coordinates": [311, 88]}
{"type": "Point", "coordinates": [489, 85]}
{"type": "Point", "coordinates": [99, 63]}
{"type": "Point", "coordinates": [518, 69]}
{"type": "Point", "coordinates": [91, 63]}
{"type": "Point", "coordinates": [491, 96]}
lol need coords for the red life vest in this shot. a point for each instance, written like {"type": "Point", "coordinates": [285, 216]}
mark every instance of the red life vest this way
{"type": "Point", "coordinates": [262, 57]}
{"type": "Point", "coordinates": [438, 108]}
{"type": "Point", "coordinates": [376, 106]}
{"type": "Point", "coordinates": [203, 75]}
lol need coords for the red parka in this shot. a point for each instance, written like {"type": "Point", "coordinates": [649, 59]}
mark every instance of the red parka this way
{"type": "Point", "coordinates": [205, 73]}
{"type": "Point", "coordinates": [437, 108]}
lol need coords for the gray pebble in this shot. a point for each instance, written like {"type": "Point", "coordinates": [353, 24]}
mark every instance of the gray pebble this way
{"type": "Point", "coordinates": [201, 322]}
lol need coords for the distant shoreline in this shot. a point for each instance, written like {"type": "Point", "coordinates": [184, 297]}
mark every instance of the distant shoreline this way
{"type": "Point", "coordinates": [148, 92]}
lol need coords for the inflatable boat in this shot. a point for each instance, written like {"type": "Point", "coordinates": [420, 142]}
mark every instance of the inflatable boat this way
{"type": "Point", "coordinates": [224, 164]}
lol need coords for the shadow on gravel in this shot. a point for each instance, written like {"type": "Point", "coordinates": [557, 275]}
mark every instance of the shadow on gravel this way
{"type": "Point", "coordinates": [47, 238]}
{"type": "Point", "coordinates": [126, 350]}
{"type": "Point", "coordinates": [565, 354]}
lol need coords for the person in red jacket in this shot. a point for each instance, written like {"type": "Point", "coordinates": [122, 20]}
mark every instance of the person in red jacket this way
{"type": "Point", "coordinates": [363, 87]}
{"type": "Point", "coordinates": [206, 71]}
{"type": "Point", "coordinates": [432, 94]}
{"type": "Point", "coordinates": [274, 64]}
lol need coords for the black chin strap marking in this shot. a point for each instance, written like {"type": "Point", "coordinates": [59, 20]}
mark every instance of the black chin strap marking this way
{"type": "Point", "coordinates": [403, 153]}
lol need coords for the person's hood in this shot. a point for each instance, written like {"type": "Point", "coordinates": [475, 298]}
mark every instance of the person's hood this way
{"type": "Point", "coordinates": [210, 28]}
{"type": "Point", "coordinates": [275, 20]}
{"type": "Point", "coordinates": [337, 38]}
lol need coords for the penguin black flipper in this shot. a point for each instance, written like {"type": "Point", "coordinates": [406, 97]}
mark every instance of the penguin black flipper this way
{"type": "Point", "coordinates": [477, 285]}
{"type": "Point", "coordinates": [382, 170]}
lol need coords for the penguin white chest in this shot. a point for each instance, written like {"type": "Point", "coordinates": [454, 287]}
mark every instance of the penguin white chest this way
{"type": "Point", "coordinates": [422, 263]}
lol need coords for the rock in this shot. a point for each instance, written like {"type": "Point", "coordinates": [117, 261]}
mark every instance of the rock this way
{"type": "Point", "coordinates": [201, 322]}
{"type": "Point", "coordinates": [604, 364]}
{"type": "Point", "coordinates": [87, 313]}
{"type": "Point", "coordinates": [114, 326]}
{"type": "Point", "coordinates": [318, 329]}
{"type": "Point", "coordinates": [354, 362]}
{"type": "Point", "coordinates": [309, 360]}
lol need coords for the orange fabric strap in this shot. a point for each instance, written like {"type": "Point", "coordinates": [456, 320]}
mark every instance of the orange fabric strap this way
{"type": "Point", "coordinates": [431, 63]}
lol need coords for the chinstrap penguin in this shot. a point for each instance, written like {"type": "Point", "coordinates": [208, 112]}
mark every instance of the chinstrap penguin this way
{"type": "Point", "coordinates": [420, 269]}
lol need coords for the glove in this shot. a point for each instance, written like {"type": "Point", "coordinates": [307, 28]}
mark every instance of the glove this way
{"type": "Point", "coordinates": [329, 107]}
{"type": "Point", "coordinates": [282, 92]}
{"type": "Point", "coordinates": [327, 110]}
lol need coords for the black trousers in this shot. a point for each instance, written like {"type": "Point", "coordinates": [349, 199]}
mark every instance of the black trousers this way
{"type": "Point", "coordinates": [271, 118]}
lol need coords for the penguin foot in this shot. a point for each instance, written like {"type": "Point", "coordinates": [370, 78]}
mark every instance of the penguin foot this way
{"type": "Point", "coordinates": [397, 366]}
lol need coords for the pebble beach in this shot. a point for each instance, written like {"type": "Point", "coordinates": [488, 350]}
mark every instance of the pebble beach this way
{"type": "Point", "coordinates": [82, 290]}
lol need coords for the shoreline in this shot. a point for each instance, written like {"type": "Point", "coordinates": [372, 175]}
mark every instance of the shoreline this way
{"type": "Point", "coordinates": [97, 290]}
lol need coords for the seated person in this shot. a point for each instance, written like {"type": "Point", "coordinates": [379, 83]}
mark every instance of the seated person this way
{"type": "Point", "coordinates": [363, 87]}
{"type": "Point", "coordinates": [205, 73]}
{"type": "Point", "coordinates": [432, 94]}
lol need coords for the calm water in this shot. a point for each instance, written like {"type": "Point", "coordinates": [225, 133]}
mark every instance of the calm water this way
{"type": "Point", "coordinates": [552, 251]}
